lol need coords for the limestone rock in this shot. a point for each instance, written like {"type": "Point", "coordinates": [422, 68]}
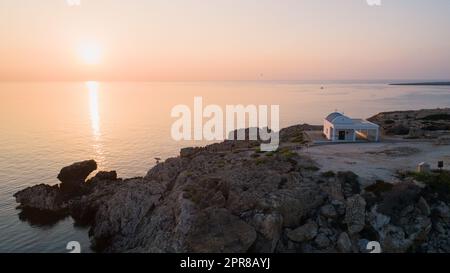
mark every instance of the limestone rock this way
{"type": "Point", "coordinates": [328, 211]}
{"type": "Point", "coordinates": [423, 206]}
{"type": "Point", "coordinates": [355, 214]}
{"type": "Point", "coordinates": [41, 197]}
{"type": "Point", "coordinates": [442, 210]}
{"type": "Point", "coordinates": [344, 244]}
{"type": "Point", "coordinates": [304, 233]}
{"type": "Point", "coordinates": [322, 241]}
{"type": "Point", "coordinates": [270, 226]}
{"type": "Point", "coordinates": [72, 177]}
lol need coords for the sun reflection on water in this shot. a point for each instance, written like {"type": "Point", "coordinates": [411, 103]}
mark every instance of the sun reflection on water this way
{"type": "Point", "coordinates": [93, 88]}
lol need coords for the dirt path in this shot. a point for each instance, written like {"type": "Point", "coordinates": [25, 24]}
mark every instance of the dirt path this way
{"type": "Point", "coordinates": [372, 161]}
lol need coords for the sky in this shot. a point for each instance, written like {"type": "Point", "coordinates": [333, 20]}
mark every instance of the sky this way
{"type": "Point", "coordinates": [207, 40]}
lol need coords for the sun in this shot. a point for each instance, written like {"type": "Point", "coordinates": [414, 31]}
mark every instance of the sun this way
{"type": "Point", "coordinates": [90, 54]}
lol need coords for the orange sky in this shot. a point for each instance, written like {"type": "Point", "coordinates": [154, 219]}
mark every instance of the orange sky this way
{"type": "Point", "coordinates": [224, 40]}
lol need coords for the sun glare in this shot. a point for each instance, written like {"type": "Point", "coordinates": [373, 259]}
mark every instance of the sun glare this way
{"type": "Point", "coordinates": [90, 54]}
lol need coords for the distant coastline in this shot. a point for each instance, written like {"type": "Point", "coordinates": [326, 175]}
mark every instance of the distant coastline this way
{"type": "Point", "coordinates": [424, 83]}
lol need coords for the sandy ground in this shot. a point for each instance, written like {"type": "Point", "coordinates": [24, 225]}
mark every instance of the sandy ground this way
{"type": "Point", "coordinates": [372, 161]}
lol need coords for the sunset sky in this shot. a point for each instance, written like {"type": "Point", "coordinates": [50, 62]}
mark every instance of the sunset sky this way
{"type": "Point", "coordinates": [184, 40]}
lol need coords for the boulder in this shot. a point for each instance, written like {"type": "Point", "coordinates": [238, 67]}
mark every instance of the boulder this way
{"type": "Point", "coordinates": [270, 227]}
{"type": "Point", "coordinates": [72, 177]}
{"type": "Point", "coordinates": [394, 240]}
{"type": "Point", "coordinates": [442, 210]}
{"type": "Point", "coordinates": [328, 211]}
{"type": "Point", "coordinates": [102, 175]}
{"type": "Point", "coordinates": [344, 244]}
{"type": "Point", "coordinates": [322, 241]}
{"type": "Point", "coordinates": [377, 220]}
{"type": "Point", "coordinates": [304, 233]}
{"type": "Point", "coordinates": [349, 182]}
{"type": "Point", "coordinates": [355, 214]}
{"type": "Point", "coordinates": [424, 207]}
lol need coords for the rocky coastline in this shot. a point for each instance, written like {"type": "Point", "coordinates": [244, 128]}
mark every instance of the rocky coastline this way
{"type": "Point", "coordinates": [231, 197]}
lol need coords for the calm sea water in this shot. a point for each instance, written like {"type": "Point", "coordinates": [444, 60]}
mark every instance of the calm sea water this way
{"type": "Point", "coordinates": [124, 126]}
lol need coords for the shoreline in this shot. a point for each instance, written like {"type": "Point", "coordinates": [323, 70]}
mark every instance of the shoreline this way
{"type": "Point", "coordinates": [232, 197]}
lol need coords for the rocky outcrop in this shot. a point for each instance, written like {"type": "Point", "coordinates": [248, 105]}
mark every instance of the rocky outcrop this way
{"type": "Point", "coordinates": [72, 177]}
{"type": "Point", "coordinates": [41, 197]}
{"type": "Point", "coordinates": [231, 197]}
{"type": "Point", "coordinates": [426, 123]}
{"type": "Point", "coordinates": [304, 233]}
{"type": "Point", "coordinates": [56, 199]}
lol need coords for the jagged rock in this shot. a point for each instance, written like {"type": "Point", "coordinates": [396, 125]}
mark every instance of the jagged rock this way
{"type": "Point", "coordinates": [229, 197]}
{"type": "Point", "coordinates": [72, 177]}
{"type": "Point", "coordinates": [362, 246]}
{"type": "Point", "coordinates": [322, 241]}
{"type": "Point", "coordinates": [328, 211]}
{"type": "Point", "coordinates": [377, 220]}
{"type": "Point", "coordinates": [442, 210]}
{"type": "Point", "coordinates": [344, 244]}
{"type": "Point", "coordinates": [439, 237]}
{"type": "Point", "coordinates": [398, 201]}
{"type": "Point", "coordinates": [216, 230]}
{"type": "Point", "coordinates": [414, 228]}
{"type": "Point", "coordinates": [304, 233]}
{"type": "Point", "coordinates": [41, 197]}
{"type": "Point", "coordinates": [418, 124]}
{"type": "Point", "coordinates": [424, 207]}
{"type": "Point", "coordinates": [339, 206]}
{"type": "Point", "coordinates": [349, 182]}
{"type": "Point", "coordinates": [270, 227]}
{"type": "Point", "coordinates": [190, 152]}
{"type": "Point", "coordinates": [417, 227]}
{"type": "Point", "coordinates": [102, 175]}
{"type": "Point", "coordinates": [77, 172]}
{"type": "Point", "coordinates": [394, 240]}
{"type": "Point", "coordinates": [335, 190]}
{"type": "Point", "coordinates": [355, 214]}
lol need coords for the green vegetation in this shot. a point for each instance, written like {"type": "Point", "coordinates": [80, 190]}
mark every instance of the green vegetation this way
{"type": "Point", "coordinates": [261, 161]}
{"type": "Point", "coordinates": [287, 153]}
{"type": "Point", "coordinates": [283, 152]}
{"type": "Point", "coordinates": [437, 181]}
